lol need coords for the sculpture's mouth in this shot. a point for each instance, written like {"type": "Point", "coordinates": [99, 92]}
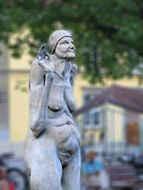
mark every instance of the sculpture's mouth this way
{"type": "Point", "coordinates": [72, 50]}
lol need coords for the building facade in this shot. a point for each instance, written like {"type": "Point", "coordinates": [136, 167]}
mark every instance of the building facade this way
{"type": "Point", "coordinates": [14, 101]}
{"type": "Point", "coordinates": [116, 112]}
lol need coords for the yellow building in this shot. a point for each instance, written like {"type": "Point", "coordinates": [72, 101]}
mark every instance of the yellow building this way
{"type": "Point", "coordinates": [116, 112]}
{"type": "Point", "coordinates": [14, 99]}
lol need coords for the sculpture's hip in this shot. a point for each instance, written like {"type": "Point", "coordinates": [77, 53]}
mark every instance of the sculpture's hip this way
{"type": "Point", "coordinates": [67, 139]}
{"type": "Point", "coordinates": [62, 133]}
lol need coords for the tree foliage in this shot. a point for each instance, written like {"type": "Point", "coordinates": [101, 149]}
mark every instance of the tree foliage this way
{"type": "Point", "coordinates": [108, 34]}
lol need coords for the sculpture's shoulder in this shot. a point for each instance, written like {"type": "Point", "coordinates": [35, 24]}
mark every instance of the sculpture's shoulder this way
{"type": "Point", "coordinates": [36, 67]}
{"type": "Point", "coordinates": [36, 73]}
{"type": "Point", "coordinates": [35, 61]}
{"type": "Point", "coordinates": [35, 64]}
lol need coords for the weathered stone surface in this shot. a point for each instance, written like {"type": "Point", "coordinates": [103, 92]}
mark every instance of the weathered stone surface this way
{"type": "Point", "coordinates": [52, 150]}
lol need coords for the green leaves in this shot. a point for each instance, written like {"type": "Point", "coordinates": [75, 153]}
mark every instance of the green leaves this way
{"type": "Point", "coordinates": [105, 32]}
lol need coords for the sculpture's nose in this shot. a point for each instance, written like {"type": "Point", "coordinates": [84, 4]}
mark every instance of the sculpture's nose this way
{"type": "Point", "coordinates": [72, 47]}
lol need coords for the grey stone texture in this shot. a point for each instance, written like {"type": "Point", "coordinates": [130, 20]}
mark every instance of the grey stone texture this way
{"type": "Point", "coordinates": [52, 152]}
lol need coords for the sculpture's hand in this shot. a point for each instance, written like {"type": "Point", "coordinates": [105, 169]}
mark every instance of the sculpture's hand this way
{"type": "Point", "coordinates": [42, 53]}
{"type": "Point", "coordinates": [44, 59]}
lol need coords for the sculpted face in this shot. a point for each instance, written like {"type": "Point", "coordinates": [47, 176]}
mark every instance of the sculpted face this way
{"type": "Point", "coordinates": [65, 48]}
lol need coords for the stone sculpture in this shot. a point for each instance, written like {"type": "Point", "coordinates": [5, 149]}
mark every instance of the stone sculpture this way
{"type": "Point", "coordinates": [52, 150]}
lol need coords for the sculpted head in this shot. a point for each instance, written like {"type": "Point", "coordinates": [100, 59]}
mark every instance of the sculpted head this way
{"type": "Point", "coordinates": [61, 43]}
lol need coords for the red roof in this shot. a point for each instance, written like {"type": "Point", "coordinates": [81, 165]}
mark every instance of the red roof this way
{"type": "Point", "coordinates": [128, 98]}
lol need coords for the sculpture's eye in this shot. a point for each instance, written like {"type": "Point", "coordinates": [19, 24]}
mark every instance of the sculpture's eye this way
{"type": "Point", "coordinates": [64, 42]}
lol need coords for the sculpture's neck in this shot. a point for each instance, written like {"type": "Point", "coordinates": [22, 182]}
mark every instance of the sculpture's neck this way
{"type": "Point", "coordinates": [60, 63]}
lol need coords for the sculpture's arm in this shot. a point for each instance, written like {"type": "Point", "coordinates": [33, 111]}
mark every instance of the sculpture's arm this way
{"type": "Point", "coordinates": [68, 92]}
{"type": "Point", "coordinates": [39, 87]}
{"type": "Point", "coordinates": [37, 74]}
{"type": "Point", "coordinates": [73, 73]}
{"type": "Point", "coordinates": [36, 87]}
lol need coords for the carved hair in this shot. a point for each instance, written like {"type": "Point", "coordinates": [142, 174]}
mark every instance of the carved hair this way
{"type": "Point", "coordinates": [55, 37]}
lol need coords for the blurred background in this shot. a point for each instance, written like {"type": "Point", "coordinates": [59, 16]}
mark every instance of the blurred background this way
{"type": "Point", "coordinates": [108, 87]}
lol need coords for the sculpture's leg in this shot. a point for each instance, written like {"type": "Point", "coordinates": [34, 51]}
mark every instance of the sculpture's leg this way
{"type": "Point", "coordinates": [71, 174]}
{"type": "Point", "coordinates": [45, 166]}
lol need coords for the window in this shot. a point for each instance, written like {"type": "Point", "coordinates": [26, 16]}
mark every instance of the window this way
{"type": "Point", "coordinates": [132, 120]}
{"type": "Point", "coordinates": [86, 98]}
{"type": "Point", "coordinates": [92, 119]}
{"type": "Point", "coordinates": [96, 118]}
{"type": "Point", "coordinates": [87, 118]}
